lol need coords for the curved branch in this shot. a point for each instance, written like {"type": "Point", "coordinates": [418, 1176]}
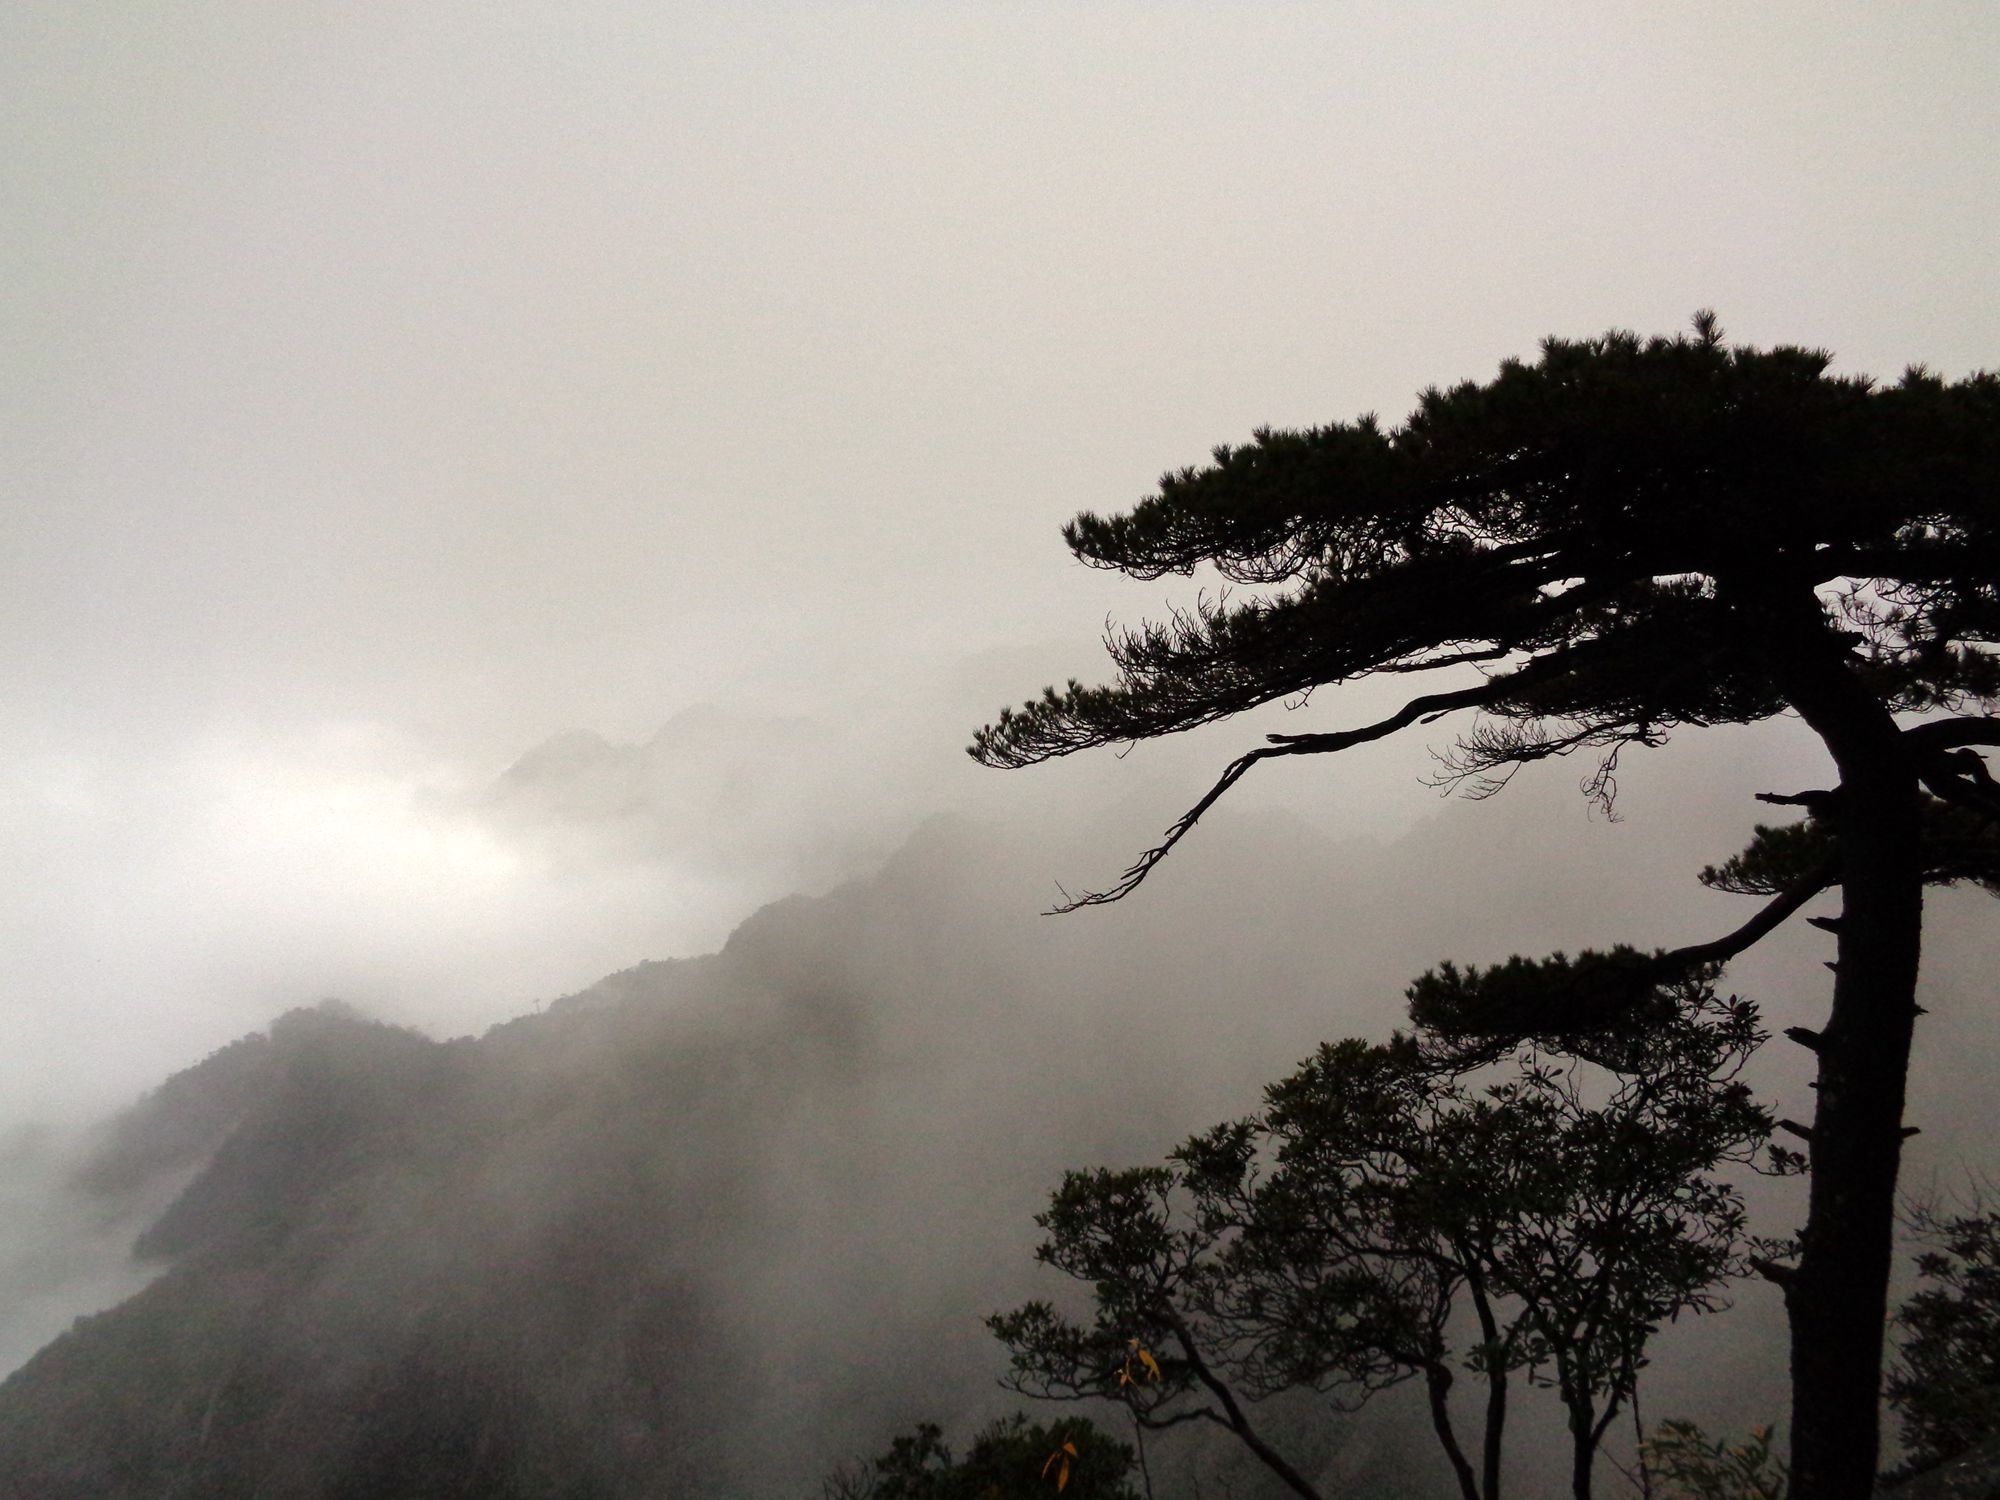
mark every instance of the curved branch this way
{"type": "Point", "coordinates": [1768, 919]}
{"type": "Point", "coordinates": [1192, 1414]}
{"type": "Point", "coordinates": [1238, 1422]}
{"type": "Point", "coordinates": [1437, 1386]}
{"type": "Point", "coordinates": [1475, 1018]}
{"type": "Point", "coordinates": [1141, 867]}
{"type": "Point", "coordinates": [1951, 734]}
{"type": "Point", "coordinates": [1457, 659]}
{"type": "Point", "coordinates": [1428, 707]}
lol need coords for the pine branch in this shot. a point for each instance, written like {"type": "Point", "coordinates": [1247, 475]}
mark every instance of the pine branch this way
{"type": "Point", "coordinates": [1950, 734]}
{"type": "Point", "coordinates": [1427, 708]}
{"type": "Point", "coordinates": [1767, 920]}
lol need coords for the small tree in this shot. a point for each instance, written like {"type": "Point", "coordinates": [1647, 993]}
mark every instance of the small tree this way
{"type": "Point", "coordinates": [1685, 1463]}
{"type": "Point", "coordinates": [1620, 539]}
{"type": "Point", "coordinates": [1945, 1383]}
{"type": "Point", "coordinates": [1327, 1243]}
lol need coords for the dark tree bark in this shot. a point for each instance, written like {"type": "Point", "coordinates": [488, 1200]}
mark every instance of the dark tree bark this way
{"type": "Point", "coordinates": [1437, 1385]}
{"type": "Point", "coordinates": [1234, 1417]}
{"type": "Point", "coordinates": [1837, 1300]}
{"type": "Point", "coordinates": [1496, 1391]}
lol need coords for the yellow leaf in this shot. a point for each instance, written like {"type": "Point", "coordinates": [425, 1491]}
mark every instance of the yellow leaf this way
{"type": "Point", "coordinates": [1069, 1448]}
{"type": "Point", "coordinates": [1146, 1359]}
{"type": "Point", "coordinates": [1062, 1479]}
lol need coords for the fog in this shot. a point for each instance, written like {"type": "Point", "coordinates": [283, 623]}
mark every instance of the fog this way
{"type": "Point", "coordinates": [497, 494]}
{"type": "Point", "coordinates": [391, 394]}
{"type": "Point", "coordinates": [826, 1142]}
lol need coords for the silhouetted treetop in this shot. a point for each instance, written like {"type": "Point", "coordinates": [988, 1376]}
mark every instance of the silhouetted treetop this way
{"type": "Point", "coordinates": [1619, 539]}
{"type": "Point", "coordinates": [1595, 529]}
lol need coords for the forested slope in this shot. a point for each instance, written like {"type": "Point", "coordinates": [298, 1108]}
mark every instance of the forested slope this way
{"type": "Point", "coordinates": [711, 1225]}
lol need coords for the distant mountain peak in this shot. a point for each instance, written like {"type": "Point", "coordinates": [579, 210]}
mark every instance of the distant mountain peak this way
{"type": "Point", "coordinates": [561, 755]}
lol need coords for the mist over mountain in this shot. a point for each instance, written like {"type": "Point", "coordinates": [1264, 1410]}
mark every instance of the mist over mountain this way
{"type": "Point", "coordinates": [736, 794]}
{"type": "Point", "coordinates": [509, 514]}
{"type": "Point", "coordinates": [709, 1225]}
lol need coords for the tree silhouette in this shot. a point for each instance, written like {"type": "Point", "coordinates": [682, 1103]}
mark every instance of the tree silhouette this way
{"type": "Point", "coordinates": [1326, 1243]}
{"type": "Point", "coordinates": [1618, 540]}
{"type": "Point", "coordinates": [1946, 1381]}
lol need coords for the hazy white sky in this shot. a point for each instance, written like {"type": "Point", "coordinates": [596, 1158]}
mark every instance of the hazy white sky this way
{"type": "Point", "coordinates": [387, 389]}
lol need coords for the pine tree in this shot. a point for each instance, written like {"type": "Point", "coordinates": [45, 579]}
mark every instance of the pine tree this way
{"type": "Point", "coordinates": [1624, 538]}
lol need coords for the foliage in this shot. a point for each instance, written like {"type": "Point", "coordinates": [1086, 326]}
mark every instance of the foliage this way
{"type": "Point", "coordinates": [1619, 539]}
{"type": "Point", "coordinates": [1945, 1384]}
{"type": "Point", "coordinates": [1011, 1459]}
{"type": "Point", "coordinates": [1324, 1243]}
{"type": "Point", "coordinates": [1958, 844]}
{"type": "Point", "coordinates": [1575, 527]}
{"type": "Point", "coordinates": [1688, 1465]}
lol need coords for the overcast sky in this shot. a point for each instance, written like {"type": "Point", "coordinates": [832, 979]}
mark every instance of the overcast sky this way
{"type": "Point", "coordinates": [390, 388]}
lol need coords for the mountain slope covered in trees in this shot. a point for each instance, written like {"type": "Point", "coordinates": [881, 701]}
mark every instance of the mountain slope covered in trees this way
{"type": "Point", "coordinates": [712, 1225]}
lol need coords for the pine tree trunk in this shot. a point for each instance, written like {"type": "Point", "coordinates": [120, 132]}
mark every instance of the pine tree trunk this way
{"type": "Point", "coordinates": [1838, 1299]}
